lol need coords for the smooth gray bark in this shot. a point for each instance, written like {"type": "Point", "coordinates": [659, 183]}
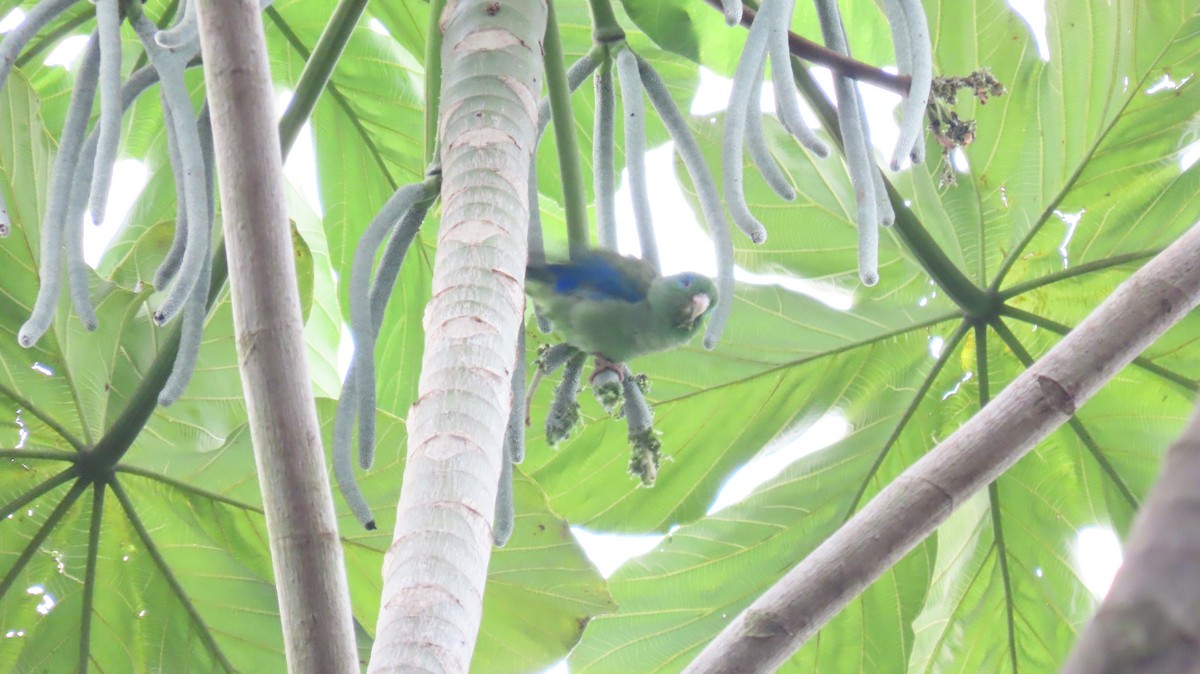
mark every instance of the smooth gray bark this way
{"type": "Point", "coordinates": [310, 577]}
{"type": "Point", "coordinates": [1150, 621]}
{"type": "Point", "coordinates": [435, 570]}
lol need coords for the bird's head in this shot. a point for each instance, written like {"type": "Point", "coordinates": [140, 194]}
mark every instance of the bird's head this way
{"type": "Point", "coordinates": [683, 299]}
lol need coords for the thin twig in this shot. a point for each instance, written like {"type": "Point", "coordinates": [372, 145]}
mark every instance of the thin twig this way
{"type": "Point", "coordinates": [842, 65]}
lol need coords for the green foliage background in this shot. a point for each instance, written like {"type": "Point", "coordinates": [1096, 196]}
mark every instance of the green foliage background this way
{"type": "Point", "coordinates": [183, 578]}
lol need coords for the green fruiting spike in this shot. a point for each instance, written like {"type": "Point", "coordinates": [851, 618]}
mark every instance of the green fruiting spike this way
{"type": "Point", "coordinates": [505, 515]}
{"type": "Point", "coordinates": [857, 144]}
{"type": "Point", "coordinates": [606, 387]}
{"type": "Point", "coordinates": [108, 25]}
{"type": "Point", "coordinates": [54, 223]}
{"type": "Point", "coordinates": [550, 358]}
{"type": "Point", "coordinates": [176, 97]}
{"type": "Point", "coordinates": [634, 109]}
{"type": "Point", "coordinates": [362, 321]}
{"type": "Point", "coordinates": [379, 291]}
{"type": "Point", "coordinates": [756, 144]}
{"type": "Point", "coordinates": [514, 434]}
{"type": "Point", "coordinates": [643, 459]}
{"type": "Point", "coordinates": [787, 103]}
{"type": "Point", "coordinates": [745, 79]}
{"type": "Point", "coordinates": [732, 10]}
{"type": "Point", "coordinates": [185, 31]}
{"type": "Point", "coordinates": [706, 192]}
{"type": "Point", "coordinates": [910, 34]}
{"type": "Point", "coordinates": [35, 20]}
{"type": "Point", "coordinates": [564, 410]}
{"type": "Point", "coordinates": [196, 309]}
{"type": "Point", "coordinates": [170, 265]}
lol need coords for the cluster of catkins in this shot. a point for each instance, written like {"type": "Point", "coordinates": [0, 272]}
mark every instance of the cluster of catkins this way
{"type": "Point", "coordinates": [767, 38]}
{"type": "Point", "coordinates": [83, 168]}
{"type": "Point", "coordinates": [82, 175]}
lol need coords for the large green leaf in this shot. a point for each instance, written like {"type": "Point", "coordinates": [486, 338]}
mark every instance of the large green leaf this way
{"type": "Point", "coordinates": [1001, 582]}
{"type": "Point", "coordinates": [184, 501]}
{"type": "Point", "coordinates": [1075, 180]}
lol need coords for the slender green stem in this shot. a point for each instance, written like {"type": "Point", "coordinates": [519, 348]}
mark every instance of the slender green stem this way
{"type": "Point", "coordinates": [89, 579]}
{"type": "Point", "coordinates": [574, 195]}
{"type": "Point", "coordinates": [985, 396]}
{"type": "Point", "coordinates": [188, 488]}
{"type": "Point", "coordinates": [338, 97]}
{"type": "Point", "coordinates": [1188, 385]}
{"type": "Point", "coordinates": [120, 436]}
{"type": "Point", "coordinates": [319, 66]}
{"type": "Point", "coordinates": [981, 364]}
{"type": "Point", "coordinates": [605, 28]}
{"type": "Point", "coordinates": [27, 405]}
{"type": "Point", "coordinates": [433, 79]}
{"type": "Point", "coordinates": [46, 455]}
{"type": "Point", "coordinates": [1079, 270]}
{"type": "Point", "coordinates": [198, 622]}
{"type": "Point", "coordinates": [929, 255]}
{"type": "Point", "coordinates": [850, 346]}
{"type": "Point", "coordinates": [1093, 448]}
{"type": "Point", "coordinates": [35, 543]}
{"type": "Point", "coordinates": [948, 349]}
{"type": "Point", "coordinates": [33, 494]}
{"type": "Point", "coordinates": [1005, 574]}
{"type": "Point", "coordinates": [1081, 432]}
{"type": "Point", "coordinates": [1099, 138]}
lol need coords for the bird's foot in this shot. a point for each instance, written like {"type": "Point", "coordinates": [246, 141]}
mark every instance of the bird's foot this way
{"type": "Point", "coordinates": [605, 365]}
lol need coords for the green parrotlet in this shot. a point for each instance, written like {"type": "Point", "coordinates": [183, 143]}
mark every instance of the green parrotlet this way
{"type": "Point", "coordinates": [618, 308]}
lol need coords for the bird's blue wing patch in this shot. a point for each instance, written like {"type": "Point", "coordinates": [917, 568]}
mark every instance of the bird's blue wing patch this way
{"type": "Point", "coordinates": [594, 278]}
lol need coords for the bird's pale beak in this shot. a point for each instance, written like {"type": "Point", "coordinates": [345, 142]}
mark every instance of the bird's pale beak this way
{"type": "Point", "coordinates": [698, 306]}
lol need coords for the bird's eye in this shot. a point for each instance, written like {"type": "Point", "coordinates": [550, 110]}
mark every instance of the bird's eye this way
{"type": "Point", "coordinates": [685, 281]}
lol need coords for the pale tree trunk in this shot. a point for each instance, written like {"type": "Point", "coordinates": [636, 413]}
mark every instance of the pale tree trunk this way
{"type": "Point", "coordinates": [1150, 621]}
{"type": "Point", "coordinates": [310, 580]}
{"type": "Point", "coordinates": [768, 632]}
{"type": "Point", "coordinates": [435, 569]}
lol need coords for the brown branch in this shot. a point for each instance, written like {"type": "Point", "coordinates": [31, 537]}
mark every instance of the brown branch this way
{"type": "Point", "coordinates": [1147, 622]}
{"type": "Point", "coordinates": [1036, 403]}
{"type": "Point", "coordinates": [842, 65]}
